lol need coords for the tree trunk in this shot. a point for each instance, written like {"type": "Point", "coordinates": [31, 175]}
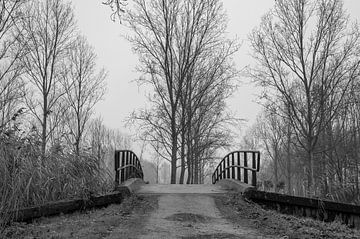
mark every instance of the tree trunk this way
{"type": "Point", "coordinates": [157, 172]}
{"type": "Point", "coordinates": [182, 155]}
{"type": "Point", "coordinates": [44, 126]}
{"type": "Point", "coordinates": [288, 156]}
{"type": "Point", "coordinates": [356, 154]}
{"type": "Point", "coordinates": [173, 147]}
{"type": "Point", "coordinates": [276, 180]}
{"type": "Point", "coordinates": [189, 177]}
{"type": "Point", "coordinates": [310, 173]}
{"type": "Point", "coordinates": [77, 147]}
{"type": "Point", "coordinates": [196, 171]}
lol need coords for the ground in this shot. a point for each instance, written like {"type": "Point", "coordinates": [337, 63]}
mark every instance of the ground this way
{"type": "Point", "coordinates": [179, 215]}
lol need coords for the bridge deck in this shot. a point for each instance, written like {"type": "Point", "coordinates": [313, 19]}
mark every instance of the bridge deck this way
{"type": "Point", "coordinates": [180, 189]}
{"type": "Point", "coordinates": [188, 211]}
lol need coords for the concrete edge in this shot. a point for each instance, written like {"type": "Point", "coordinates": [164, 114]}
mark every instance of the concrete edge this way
{"type": "Point", "coordinates": [133, 184]}
{"type": "Point", "coordinates": [235, 185]}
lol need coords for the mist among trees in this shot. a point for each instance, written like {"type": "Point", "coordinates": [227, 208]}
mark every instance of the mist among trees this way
{"type": "Point", "coordinates": [306, 61]}
{"type": "Point", "coordinates": [51, 145]}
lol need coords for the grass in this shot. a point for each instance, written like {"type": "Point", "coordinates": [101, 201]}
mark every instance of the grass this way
{"type": "Point", "coordinates": [286, 226]}
{"type": "Point", "coordinates": [27, 179]}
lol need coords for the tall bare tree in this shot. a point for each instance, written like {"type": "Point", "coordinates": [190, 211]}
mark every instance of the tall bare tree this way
{"type": "Point", "coordinates": [272, 135]}
{"type": "Point", "coordinates": [10, 53]}
{"type": "Point", "coordinates": [84, 87]}
{"type": "Point", "coordinates": [203, 118]}
{"type": "Point", "coordinates": [48, 28]}
{"type": "Point", "coordinates": [171, 37]}
{"type": "Point", "coordinates": [306, 53]}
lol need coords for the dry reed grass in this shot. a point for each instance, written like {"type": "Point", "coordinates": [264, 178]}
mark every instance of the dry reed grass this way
{"type": "Point", "coordinates": [27, 179]}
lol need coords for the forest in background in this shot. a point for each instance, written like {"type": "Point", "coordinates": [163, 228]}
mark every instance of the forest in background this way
{"type": "Point", "coordinates": [307, 57]}
{"type": "Point", "coordinates": [186, 59]}
{"type": "Point", "coordinates": [51, 146]}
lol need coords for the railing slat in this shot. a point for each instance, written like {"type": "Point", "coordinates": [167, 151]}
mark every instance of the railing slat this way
{"type": "Point", "coordinates": [233, 169]}
{"type": "Point", "coordinates": [117, 172]}
{"type": "Point", "coordinates": [228, 164]}
{"type": "Point", "coordinates": [127, 165]}
{"type": "Point", "coordinates": [238, 169]}
{"type": "Point", "coordinates": [226, 167]}
{"type": "Point", "coordinates": [245, 170]}
{"type": "Point", "coordinates": [253, 183]}
{"type": "Point", "coordinates": [122, 164]}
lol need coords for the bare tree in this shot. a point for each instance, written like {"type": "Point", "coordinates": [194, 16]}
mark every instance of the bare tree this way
{"type": "Point", "coordinates": [84, 87]}
{"type": "Point", "coordinates": [203, 118]}
{"type": "Point", "coordinates": [307, 54]}
{"type": "Point", "coordinates": [171, 37]}
{"type": "Point", "coordinates": [47, 34]}
{"type": "Point", "coordinates": [117, 7]}
{"type": "Point", "coordinates": [272, 136]}
{"type": "Point", "coordinates": [10, 53]}
{"type": "Point", "coordinates": [103, 141]}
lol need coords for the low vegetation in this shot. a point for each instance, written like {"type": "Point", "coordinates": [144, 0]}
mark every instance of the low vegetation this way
{"type": "Point", "coordinates": [26, 179]}
{"type": "Point", "coordinates": [284, 226]}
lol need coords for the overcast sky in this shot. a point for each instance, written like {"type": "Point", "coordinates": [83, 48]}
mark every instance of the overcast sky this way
{"type": "Point", "coordinates": [114, 53]}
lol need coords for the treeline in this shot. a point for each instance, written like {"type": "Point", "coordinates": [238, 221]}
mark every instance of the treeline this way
{"type": "Point", "coordinates": [50, 146]}
{"type": "Point", "coordinates": [307, 60]}
{"type": "Point", "coordinates": [186, 59]}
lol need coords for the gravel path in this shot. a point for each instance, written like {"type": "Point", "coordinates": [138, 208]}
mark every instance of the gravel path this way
{"type": "Point", "coordinates": [156, 211]}
{"type": "Point", "coordinates": [191, 216]}
{"type": "Point", "coordinates": [179, 212]}
{"type": "Point", "coordinates": [186, 211]}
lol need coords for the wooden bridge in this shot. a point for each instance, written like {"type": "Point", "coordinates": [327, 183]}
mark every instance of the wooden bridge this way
{"type": "Point", "coordinates": [236, 172]}
{"type": "Point", "coordinates": [195, 211]}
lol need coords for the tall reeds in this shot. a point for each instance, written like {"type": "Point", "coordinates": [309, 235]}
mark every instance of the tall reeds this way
{"type": "Point", "coordinates": [27, 178]}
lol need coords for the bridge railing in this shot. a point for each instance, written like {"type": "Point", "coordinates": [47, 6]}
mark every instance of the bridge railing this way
{"type": "Point", "coordinates": [235, 165]}
{"type": "Point", "coordinates": [127, 165]}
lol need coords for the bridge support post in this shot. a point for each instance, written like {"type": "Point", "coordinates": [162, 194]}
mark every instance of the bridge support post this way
{"type": "Point", "coordinates": [238, 169]}
{"type": "Point", "coordinates": [245, 168]}
{"type": "Point", "coordinates": [253, 177]}
{"type": "Point", "coordinates": [117, 166]}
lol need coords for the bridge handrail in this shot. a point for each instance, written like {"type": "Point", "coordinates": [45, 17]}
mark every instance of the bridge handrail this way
{"type": "Point", "coordinates": [127, 165]}
{"type": "Point", "coordinates": [223, 171]}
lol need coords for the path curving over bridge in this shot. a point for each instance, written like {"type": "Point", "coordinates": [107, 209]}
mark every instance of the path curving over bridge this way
{"type": "Point", "coordinates": [187, 211]}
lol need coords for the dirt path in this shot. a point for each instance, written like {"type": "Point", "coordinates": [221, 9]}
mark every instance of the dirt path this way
{"type": "Point", "coordinates": [178, 212]}
{"type": "Point", "coordinates": [190, 216]}
{"type": "Point", "coordinates": [186, 211]}
{"type": "Point", "coordinates": [159, 212]}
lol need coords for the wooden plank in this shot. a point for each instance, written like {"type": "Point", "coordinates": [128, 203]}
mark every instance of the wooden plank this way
{"type": "Point", "coordinates": [68, 206]}
{"type": "Point", "coordinates": [245, 166]}
{"type": "Point", "coordinates": [316, 208]}
{"type": "Point", "coordinates": [238, 169]}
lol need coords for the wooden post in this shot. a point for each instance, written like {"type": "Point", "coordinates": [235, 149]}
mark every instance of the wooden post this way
{"type": "Point", "coordinates": [245, 170]}
{"type": "Point", "coordinates": [238, 169]}
{"type": "Point", "coordinates": [131, 168]}
{"type": "Point", "coordinates": [254, 167]}
{"type": "Point", "coordinates": [220, 174]}
{"type": "Point", "coordinates": [224, 171]}
{"type": "Point", "coordinates": [228, 164]}
{"type": "Point", "coordinates": [116, 163]}
{"type": "Point", "coordinates": [122, 179]}
{"type": "Point", "coordinates": [232, 169]}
